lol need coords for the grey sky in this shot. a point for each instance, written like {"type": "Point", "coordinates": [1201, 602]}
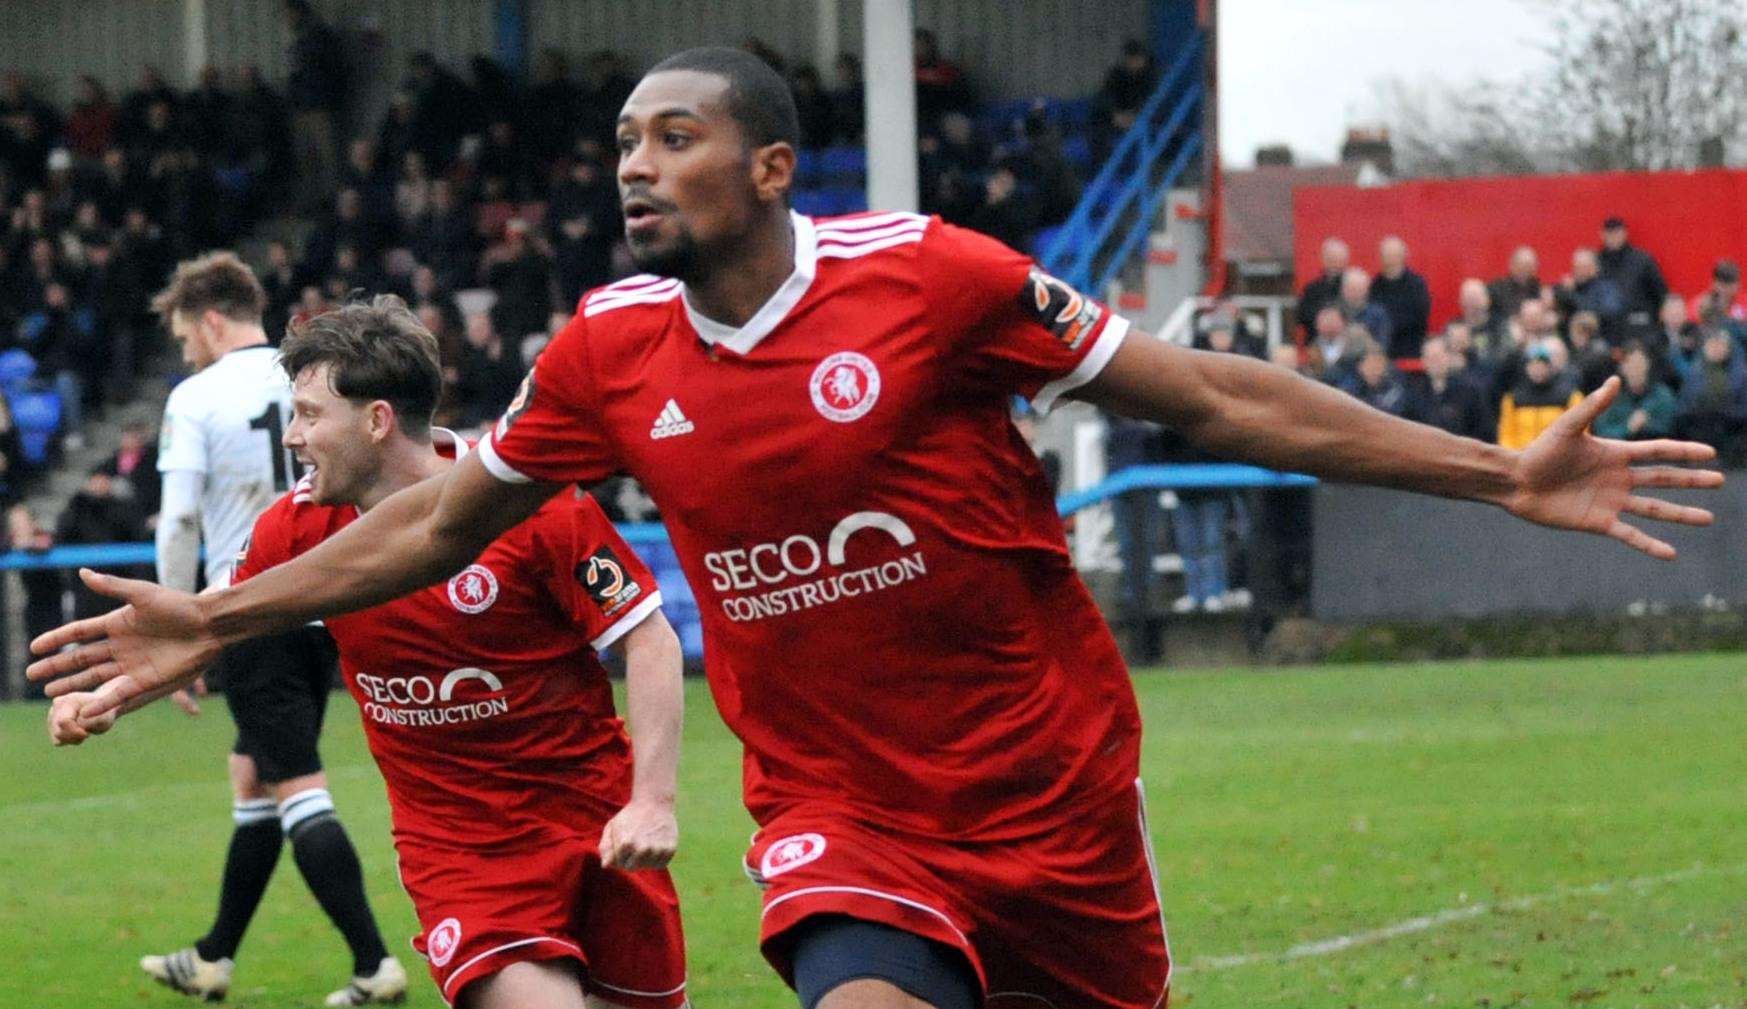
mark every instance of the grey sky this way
{"type": "Point", "coordinates": [1299, 71]}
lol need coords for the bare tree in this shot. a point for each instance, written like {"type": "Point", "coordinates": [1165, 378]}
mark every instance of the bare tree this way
{"type": "Point", "coordinates": [1632, 84]}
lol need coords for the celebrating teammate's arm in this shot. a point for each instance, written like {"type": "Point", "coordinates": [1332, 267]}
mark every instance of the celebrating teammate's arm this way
{"type": "Point", "coordinates": [1245, 409]}
{"type": "Point", "coordinates": [645, 834]}
{"type": "Point", "coordinates": [167, 638]}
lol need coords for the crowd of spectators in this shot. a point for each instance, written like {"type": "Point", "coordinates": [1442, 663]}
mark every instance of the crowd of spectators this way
{"type": "Point", "coordinates": [487, 202]}
{"type": "Point", "coordinates": [1521, 351]}
{"type": "Point", "coordinates": [96, 204]}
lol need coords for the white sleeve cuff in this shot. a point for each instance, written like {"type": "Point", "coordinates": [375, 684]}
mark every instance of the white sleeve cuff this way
{"type": "Point", "coordinates": [1109, 338]}
{"type": "Point", "coordinates": [636, 615]}
{"type": "Point", "coordinates": [494, 463]}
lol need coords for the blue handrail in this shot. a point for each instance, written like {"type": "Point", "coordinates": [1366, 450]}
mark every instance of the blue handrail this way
{"type": "Point", "coordinates": [1102, 222]}
{"type": "Point", "coordinates": [1179, 476]}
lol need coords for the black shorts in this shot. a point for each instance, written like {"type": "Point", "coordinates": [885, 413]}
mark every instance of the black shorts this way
{"type": "Point", "coordinates": [277, 689]}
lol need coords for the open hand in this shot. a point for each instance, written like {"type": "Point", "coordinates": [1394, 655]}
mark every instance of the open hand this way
{"type": "Point", "coordinates": [1570, 479]}
{"type": "Point", "coordinates": [159, 641]}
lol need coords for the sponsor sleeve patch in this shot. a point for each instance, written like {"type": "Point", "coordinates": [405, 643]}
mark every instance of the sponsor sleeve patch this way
{"type": "Point", "coordinates": [518, 406]}
{"type": "Point", "coordinates": [1065, 312]}
{"type": "Point", "coordinates": [603, 577]}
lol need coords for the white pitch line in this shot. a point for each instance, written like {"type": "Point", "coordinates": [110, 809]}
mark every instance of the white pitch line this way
{"type": "Point", "coordinates": [1448, 916]}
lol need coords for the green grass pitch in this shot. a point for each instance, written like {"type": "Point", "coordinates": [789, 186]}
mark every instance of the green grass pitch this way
{"type": "Point", "coordinates": [1547, 833]}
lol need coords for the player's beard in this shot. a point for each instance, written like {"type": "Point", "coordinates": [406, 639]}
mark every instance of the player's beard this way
{"type": "Point", "coordinates": [678, 258]}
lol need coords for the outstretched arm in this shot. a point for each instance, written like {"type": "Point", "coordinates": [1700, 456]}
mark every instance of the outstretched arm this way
{"type": "Point", "coordinates": [166, 638]}
{"type": "Point", "coordinates": [645, 834]}
{"type": "Point", "coordinates": [1248, 410]}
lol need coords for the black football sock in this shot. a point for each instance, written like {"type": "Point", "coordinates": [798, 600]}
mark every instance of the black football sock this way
{"type": "Point", "coordinates": [254, 851]}
{"type": "Point", "coordinates": [330, 866]}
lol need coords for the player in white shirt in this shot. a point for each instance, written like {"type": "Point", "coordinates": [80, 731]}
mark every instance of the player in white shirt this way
{"type": "Point", "coordinates": [223, 464]}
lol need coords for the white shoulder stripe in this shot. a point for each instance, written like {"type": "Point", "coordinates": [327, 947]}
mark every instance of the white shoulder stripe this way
{"type": "Point", "coordinates": [596, 308]}
{"type": "Point", "coordinates": [872, 221]}
{"type": "Point", "coordinates": [631, 283]}
{"type": "Point", "coordinates": [836, 251]}
{"type": "Point", "coordinates": [851, 237]}
{"type": "Point", "coordinates": [638, 292]}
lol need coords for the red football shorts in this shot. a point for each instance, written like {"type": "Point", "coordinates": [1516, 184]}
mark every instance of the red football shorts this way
{"type": "Point", "coordinates": [484, 910]}
{"type": "Point", "coordinates": [1067, 918]}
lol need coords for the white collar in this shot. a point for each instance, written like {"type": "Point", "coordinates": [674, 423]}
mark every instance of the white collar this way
{"type": "Point", "coordinates": [441, 436]}
{"type": "Point", "coordinates": [742, 340]}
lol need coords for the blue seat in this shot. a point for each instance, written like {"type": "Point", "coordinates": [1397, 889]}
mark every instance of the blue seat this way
{"type": "Point", "coordinates": [806, 168]}
{"type": "Point", "coordinates": [1072, 115]}
{"type": "Point", "coordinates": [1043, 238]}
{"type": "Point", "coordinates": [812, 202]}
{"type": "Point", "coordinates": [38, 416]}
{"type": "Point", "coordinates": [1078, 150]}
{"type": "Point", "coordinates": [843, 165]}
{"type": "Point", "coordinates": [16, 368]}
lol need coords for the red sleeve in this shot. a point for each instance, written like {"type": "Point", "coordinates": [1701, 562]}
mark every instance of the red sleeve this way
{"type": "Point", "coordinates": [592, 572]}
{"type": "Point", "coordinates": [1023, 329]}
{"type": "Point", "coordinates": [269, 543]}
{"type": "Point", "coordinates": [552, 431]}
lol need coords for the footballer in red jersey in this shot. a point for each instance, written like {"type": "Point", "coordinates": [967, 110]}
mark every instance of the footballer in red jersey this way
{"type": "Point", "coordinates": [941, 743]}
{"type": "Point", "coordinates": [484, 703]}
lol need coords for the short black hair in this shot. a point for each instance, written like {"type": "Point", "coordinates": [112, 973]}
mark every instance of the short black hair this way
{"type": "Point", "coordinates": [758, 98]}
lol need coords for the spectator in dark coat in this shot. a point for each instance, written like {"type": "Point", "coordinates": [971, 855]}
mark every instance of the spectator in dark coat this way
{"type": "Point", "coordinates": [1377, 384]}
{"type": "Point", "coordinates": [1445, 397]}
{"type": "Point", "coordinates": [489, 373]}
{"type": "Point", "coordinates": [520, 271]}
{"type": "Point", "coordinates": [940, 84]}
{"type": "Point", "coordinates": [97, 514]}
{"type": "Point", "coordinates": [1522, 283]}
{"type": "Point", "coordinates": [554, 106]}
{"type": "Point", "coordinates": [1334, 356]}
{"type": "Point", "coordinates": [605, 86]}
{"type": "Point", "coordinates": [818, 117]}
{"type": "Point", "coordinates": [1713, 399]}
{"type": "Point", "coordinates": [848, 98]}
{"type": "Point", "coordinates": [1127, 86]}
{"type": "Point", "coordinates": [91, 128]}
{"type": "Point", "coordinates": [1488, 328]}
{"type": "Point", "coordinates": [1004, 214]}
{"type": "Point", "coordinates": [315, 88]}
{"type": "Point", "coordinates": [1720, 304]}
{"type": "Point", "coordinates": [1633, 271]}
{"type": "Point", "coordinates": [443, 238]}
{"type": "Point", "coordinates": [1645, 408]}
{"type": "Point", "coordinates": [1592, 359]}
{"type": "Point", "coordinates": [1327, 285]}
{"type": "Point", "coordinates": [1586, 290]}
{"type": "Point", "coordinates": [1404, 296]}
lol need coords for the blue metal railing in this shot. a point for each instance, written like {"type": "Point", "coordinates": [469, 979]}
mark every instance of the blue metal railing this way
{"type": "Point", "coordinates": [1116, 212]}
{"type": "Point", "coordinates": [1182, 476]}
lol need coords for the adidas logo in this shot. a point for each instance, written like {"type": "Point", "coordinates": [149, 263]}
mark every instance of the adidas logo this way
{"type": "Point", "coordinates": [671, 422]}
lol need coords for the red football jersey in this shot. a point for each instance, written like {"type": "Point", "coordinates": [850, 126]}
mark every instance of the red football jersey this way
{"type": "Point", "coordinates": [892, 622]}
{"type": "Point", "coordinates": [483, 700]}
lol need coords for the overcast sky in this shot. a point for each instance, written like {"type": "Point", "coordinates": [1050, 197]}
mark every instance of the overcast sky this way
{"type": "Point", "coordinates": [1299, 71]}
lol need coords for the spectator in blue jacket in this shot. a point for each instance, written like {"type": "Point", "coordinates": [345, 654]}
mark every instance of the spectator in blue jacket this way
{"type": "Point", "coordinates": [1586, 290]}
{"type": "Point", "coordinates": [1378, 384]}
{"type": "Point", "coordinates": [1357, 306]}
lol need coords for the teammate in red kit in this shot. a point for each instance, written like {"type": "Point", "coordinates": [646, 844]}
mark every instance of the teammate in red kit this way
{"type": "Point", "coordinates": [510, 779]}
{"type": "Point", "coordinates": [941, 740]}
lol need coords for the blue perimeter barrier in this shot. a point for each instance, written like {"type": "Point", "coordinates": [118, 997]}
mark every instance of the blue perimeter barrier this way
{"type": "Point", "coordinates": [652, 543]}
